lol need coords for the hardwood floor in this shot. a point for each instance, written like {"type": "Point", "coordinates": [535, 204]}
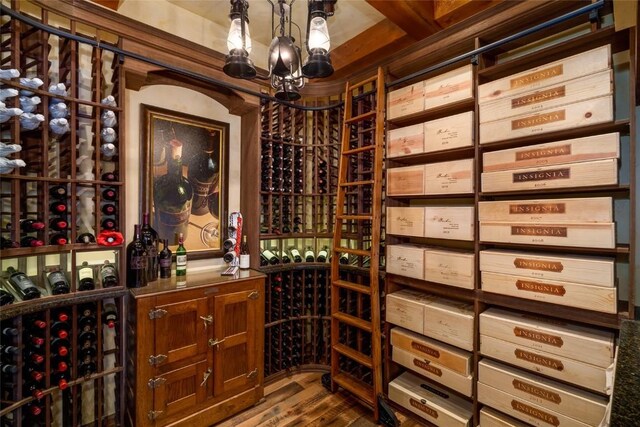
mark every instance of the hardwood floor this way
{"type": "Point", "coordinates": [301, 400]}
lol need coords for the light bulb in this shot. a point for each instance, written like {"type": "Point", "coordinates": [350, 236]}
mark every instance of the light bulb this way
{"type": "Point", "coordinates": [234, 41]}
{"type": "Point", "coordinates": [319, 34]}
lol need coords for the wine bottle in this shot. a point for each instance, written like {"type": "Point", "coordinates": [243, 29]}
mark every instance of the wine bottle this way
{"type": "Point", "coordinates": [245, 260]}
{"type": "Point", "coordinates": [181, 257]}
{"type": "Point", "coordinates": [284, 256]}
{"type": "Point", "coordinates": [85, 277]}
{"type": "Point", "coordinates": [86, 369]}
{"type": "Point", "coordinates": [229, 244]}
{"type": "Point", "coordinates": [30, 225]}
{"type": "Point", "coordinates": [22, 285]}
{"type": "Point", "coordinates": [58, 207]}
{"type": "Point", "coordinates": [109, 176]}
{"type": "Point", "coordinates": [108, 209]}
{"type": "Point", "coordinates": [58, 224]}
{"type": "Point", "coordinates": [295, 253]}
{"type": "Point", "coordinates": [108, 224]}
{"type": "Point", "coordinates": [109, 194]}
{"type": "Point", "coordinates": [322, 255]}
{"type": "Point", "coordinates": [60, 379]}
{"type": "Point", "coordinates": [31, 242]}
{"type": "Point", "coordinates": [136, 261]}
{"type": "Point", "coordinates": [33, 355]}
{"type": "Point", "coordinates": [87, 321]}
{"type": "Point", "coordinates": [271, 257]}
{"type": "Point", "coordinates": [58, 191]}
{"type": "Point", "coordinates": [8, 368]}
{"type": "Point", "coordinates": [8, 243]}
{"type": "Point", "coordinates": [9, 350]}
{"type": "Point", "coordinates": [165, 260]}
{"type": "Point", "coordinates": [6, 297]}
{"type": "Point", "coordinates": [86, 238]}
{"type": "Point", "coordinates": [309, 256]}
{"type": "Point", "coordinates": [60, 363]}
{"type": "Point", "coordinates": [60, 329]}
{"type": "Point", "coordinates": [108, 275]}
{"type": "Point", "coordinates": [229, 257]}
{"type": "Point", "coordinates": [150, 240]}
{"type": "Point", "coordinates": [58, 282]}
{"type": "Point", "coordinates": [203, 171]}
{"type": "Point", "coordinates": [60, 346]}
{"type": "Point", "coordinates": [58, 239]}
{"type": "Point", "coordinates": [86, 339]}
{"type": "Point", "coordinates": [173, 195]}
{"type": "Point", "coordinates": [109, 313]}
{"type": "Point", "coordinates": [87, 354]}
{"type": "Point", "coordinates": [34, 389]}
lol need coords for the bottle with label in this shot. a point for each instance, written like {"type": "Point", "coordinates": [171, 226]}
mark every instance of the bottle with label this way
{"type": "Point", "coordinates": [295, 253]}
{"type": "Point", "coordinates": [58, 282]}
{"type": "Point", "coordinates": [245, 258]}
{"type": "Point", "coordinates": [22, 285]}
{"type": "Point", "coordinates": [85, 277]}
{"type": "Point", "coordinates": [284, 256]}
{"type": "Point", "coordinates": [136, 261]}
{"type": "Point", "coordinates": [203, 171]}
{"type": "Point", "coordinates": [165, 260]}
{"type": "Point", "coordinates": [309, 256]}
{"type": "Point", "coordinates": [270, 257]}
{"type": "Point", "coordinates": [151, 242]}
{"type": "Point", "coordinates": [108, 275]}
{"type": "Point", "coordinates": [173, 196]}
{"type": "Point", "coordinates": [322, 255]}
{"type": "Point", "coordinates": [181, 257]}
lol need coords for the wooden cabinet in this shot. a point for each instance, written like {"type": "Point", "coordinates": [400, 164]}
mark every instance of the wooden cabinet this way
{"type": "Point", "coordinates": [196, 349]}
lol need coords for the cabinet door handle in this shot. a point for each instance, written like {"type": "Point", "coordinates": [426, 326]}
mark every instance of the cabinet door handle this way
{"type": "Point", "coordinates": [216, 343]}
{"type": "Point", "coordinates": [205, 377]}
{"type": "Point", "coordinates": [208, 320]}
{"type": "Point", "coordinates": [252, 374]}
{"type": "Point", "coordinates": [253, 295]}
{"type": "Point", "coordinates": [152, 415]}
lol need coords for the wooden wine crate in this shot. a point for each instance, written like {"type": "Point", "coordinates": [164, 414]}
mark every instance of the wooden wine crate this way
{"type": "Point", "coordinates": [598, 271]}
{"type": "Point", "coordinates": [453, 268]}
{"type": "Point", "coordinates": [489, 417]}
{"type": "Point", "coordinates": [569, 294]}
{"type": "Point", "coordinates": [569, 92]}
{"type": "Point", "coordinates": [524, 410]}
{"type": "Point", "coordinates": [433, 371]}
{"type": "Point", "coordinates": [406, 181]}
{"type": "Point", "coordinates": [406, 308]}
{"type": "Point", "coordinates": [449, 132]}
{"type": "Point", "coordinates": [579, 114]}
{"type": "Point", "coordinates": [454, 177]}
{"type": "Point", "coordinates": [446, 320]}
{"type": "Point", "coordinates": [447, 88]}
{"type": "Point", "coordinates": [405, 221]}
{"type": "Point", "coordinates": [406, 141]}
{"type": "Point", "coordinates": [589, 235]}
{"type": "Point", "coordinates": [406, 260]}
{"type": "Point", "coordinates": [436, 405]}
{"type": "Point", "coordinates": [554, 366]}
{"type": "Point", "coordinates": [596, 147]}
{"type": "Point", "coordinates": [580, 210]}
{"type": "Point", "coordinates": [442, 354]}
{"type": "Point", "coordinates": [449, 222]}
{"type": "Point", "coordinates": [405, 101]}
{"type": "Point", "coordinates": [584, 344]}
{"type": "Point", "coordinates": [583, 406]}
{"type": "Point", "coordinates": [581, 174]}
{"type": "Point", "coordinates": [581, 64]}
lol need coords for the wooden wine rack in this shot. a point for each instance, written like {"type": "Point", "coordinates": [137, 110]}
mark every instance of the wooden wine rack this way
{"type": "Point", "coordinates": [90, 71]}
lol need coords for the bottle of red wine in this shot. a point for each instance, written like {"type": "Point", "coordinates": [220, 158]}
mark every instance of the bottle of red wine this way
{"type": "Point", "coordinates": [109, 313]}
{"type": "Point", "coordinates": [271, 257]}
{"type": "Point", "coordinates": [202, 172]}
{"type": "Point", "coordinates": [245, 260]}
{"type": "Point", "coordinates": [8, 243]}
{"type": "Point", "coordinates": [85, 277]}
{"type": "Point", "coordinates": [309, 256]}
{"type": "Point", "coordinates": [60, 346]}
{"type": "Point", "coordinates": [31, 225]}
{"type": "Point", "coordinates": [109, 194]}
{"type": "Point", "coordinates": [58, 239]}
{"type": "Point", "coordinates": [58, 224]}
{"type": "Point", "coordinates": [108, 275]}
{"type": "Point", "coordinates": [150, 241]}
{"type": "Point", "coordinates": [60, 329]}
{"type": "Point", "coordinates": [31, 242]}
{"type": "Point", "coordinates": [58, 191]}
{"type": "Point", "coordinates": [322, 255]}
{"type": "Point", "coordinates": [22, 285]}
{"type": "Point", "coordinates": [165, 260]}
{"type": "Point", "coordinates": [6, 297]}
{"type": "Point", "coordinates": [108, 209]}
{"type": "Point", "coordinates": [173, 196]}
{"type": "Point", "coordinates": [58, 282]}
{"type": "Point", "coordinates": [109, 176]}
{"type": "Point", "coordinates": [136, 261]}
{"type": "Point", "coordinates": [60, 379]}
{"type": "Point", "coordinates": [295, 253]}
{"type": "Point", "coordinates": [108, 224]}
{"type": "Point", "coordinates": [58, 207]}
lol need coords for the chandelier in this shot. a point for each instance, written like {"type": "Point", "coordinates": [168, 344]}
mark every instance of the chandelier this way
{"type": "Point", "coordinates": [286, 70]}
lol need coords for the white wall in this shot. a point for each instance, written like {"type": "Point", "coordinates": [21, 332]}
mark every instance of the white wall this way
{"type": "Point", "coordinates": [190, 102]}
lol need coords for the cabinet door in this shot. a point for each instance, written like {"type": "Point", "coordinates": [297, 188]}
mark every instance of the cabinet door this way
{"type": "Point", "coordinates": [181, 331]}
{"type": "Point", "coordinates": [180, 390]}
{"type": "Point", "coordinates": [235, 354]}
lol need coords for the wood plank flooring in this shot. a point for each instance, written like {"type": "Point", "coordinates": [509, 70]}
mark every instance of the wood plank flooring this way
{"type": "Point", "coordinates": [301, 400]}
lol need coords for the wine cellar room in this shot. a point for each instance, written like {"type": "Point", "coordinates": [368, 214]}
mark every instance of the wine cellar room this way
{"type": "Point", "coordinates": [319, 213]}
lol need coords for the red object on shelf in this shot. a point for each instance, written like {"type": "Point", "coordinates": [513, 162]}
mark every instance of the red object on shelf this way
{"type": "Point", "coordinates": [110, 238]}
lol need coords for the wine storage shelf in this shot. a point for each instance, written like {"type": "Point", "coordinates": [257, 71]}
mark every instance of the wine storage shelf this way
{"type": "Point", "coordinates": [582, 36]}
{"type": "Point", "coordinates": [60, 210]}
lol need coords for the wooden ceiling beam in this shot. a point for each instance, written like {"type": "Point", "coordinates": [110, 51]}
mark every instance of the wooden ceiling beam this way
{"type": "Point", "coordinates": [110, 4]}
{"type": "Point", "coordinates": [414, 17]}
{"type": "Point", "coordinates": [449, 12]}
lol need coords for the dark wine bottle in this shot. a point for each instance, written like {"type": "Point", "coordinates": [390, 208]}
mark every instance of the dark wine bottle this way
{"type": "Point", "coordinates": [86, 238]}
{"type": "Point", "coordinates": [8, 368]}
{"type": "Point", "coordinates": [22, 285]}
{"type": "Point", "coordinates": [271, 257]}
{"type": "Point", "coordinates": [322, 255]}
{"type": "Point", "coordinates": [8, 243]}
{"type": "Point", "coordinates": [203, 170]}
{"type": "Point", "coordinates": [34, 374]}
{"type": "Point", "coordinates": [60, 346]}
{"type": "Point", "coordinates": [136, 261]}
{"type": "Point", "coordinates": [110, 194]}
{"type": "Point", "coordinates": [87, 368]}
{"type": "Point", "coordinates": [9, 350]}
{"type": "Point", "coordinates": [309, 256]}
{"type": "Point", "coordinates": [58, 224]}
{"type": "Point", "coordinates": [33, 355]}
{"type": "Point", "coordinates": [109, 313]}
{"type": "Point", "coordinates": [60, 379]}
{"type": "Point", "coordinates": [58, 191]}
{"type": "Point", "coordinates": [87, 321]}
{"type": "Point", "coordinates": [86, 281]}
{"type": "Point", "coordinates": [109, 224]}
{"type": "Point", "coordinates": [58, 239]}
{"type": "Point", "coordinates": [109, 176]}
{"type": "Point", "coordinates": [31, 242]}
{"type": "Point", "coordinates": [58, 282]}
{"type": "Point", "coordinates": [31, 225]}
{"type": "Point", "coordinates": [6, 297]}
{"type": "Point", "coordinates": [108, 209]}
{"type": "Point", "coordinates": [181, 257]}
{"type": "Point", "coordinates": [108, 275]}
{"type": "Point", "coordinates": [60, 363]}
{"type": "Point", "coordinates": [86, 339]}
{"type": "Point", "coordinates": [284, 256]}
{"type": "Point", "coordinates": [34, 389]}
{"type": "Point", "coordinates": [344, 258]}
{"type": "Point", "coordinates": [173, 195]}
{"type": "Point", "coordinates": [58, 207]}
{"type": "Point", "coordinates": [165, 260]}
{"type": "Point", "coordinates": [296, 255]}
{"type": "Point", "coordinates": [60, 329]}
{"type": "Point", "coordinates": [150, 240]}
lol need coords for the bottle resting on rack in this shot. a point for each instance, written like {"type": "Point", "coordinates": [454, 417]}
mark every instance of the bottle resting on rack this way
{"type": "Point", "coordinates": [58, 282]}
{"type": "Point", "coordinates": [322, 255]}
{"type": "Point", "coordinates": [22, 285]}
{"type": "Point", "coordinates": [309, 256]}
{"type": "Point", "coordinates": [85, 277]}
{"type": "Point", "coordinates": [108, 275]}
{"type": "Point", "coordinates": [295, 253]}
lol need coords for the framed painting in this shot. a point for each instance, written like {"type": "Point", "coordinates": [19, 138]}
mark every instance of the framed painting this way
{"type": "Point", "coordinates": [184, 185]}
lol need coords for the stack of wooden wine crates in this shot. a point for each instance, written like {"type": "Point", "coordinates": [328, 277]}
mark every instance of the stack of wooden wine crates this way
{"type": "Point", "coordinates": [510, 234]}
